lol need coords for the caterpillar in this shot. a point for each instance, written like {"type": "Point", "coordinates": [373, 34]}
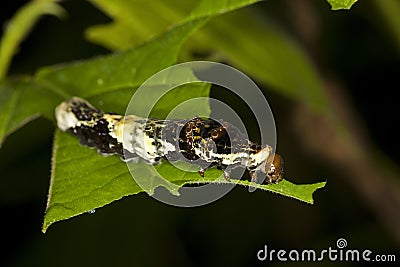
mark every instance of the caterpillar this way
{"type": "Point", "coordinates": [205, 142]}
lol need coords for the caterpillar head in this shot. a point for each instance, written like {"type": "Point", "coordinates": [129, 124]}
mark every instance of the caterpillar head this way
{"type": "Point", "coordinates": [274, 168]}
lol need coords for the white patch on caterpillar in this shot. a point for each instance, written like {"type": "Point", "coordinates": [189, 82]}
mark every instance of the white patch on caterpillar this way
{"type": "Point", "coordinates": [168, 147]}
{"type": "Point", "coordinates": [206, 152]}
{"type": "Point", "coordinates": [65, 118]}
{"type": "Point", "coordinates": [261, 156]}
{"type": "Point", "coordinates": [123, 129]}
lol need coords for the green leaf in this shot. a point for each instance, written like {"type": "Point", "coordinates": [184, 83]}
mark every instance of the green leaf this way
{"type": "Point", "coordinates": [23, 100]}
{"type": "Point", "coordinates": [302, 192]}
{"type": "Point", "coordinates": [341, 4]}
{"type": "Point", "coordinates": [19, 27]}
{"type": "Point", "coordinates": [83, 180]}
{"type": "Point", "coordinates": [112, 79]}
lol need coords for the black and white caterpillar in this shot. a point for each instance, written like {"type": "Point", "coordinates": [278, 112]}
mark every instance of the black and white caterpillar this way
{"type": "Point", "coordinates": [205, 142]}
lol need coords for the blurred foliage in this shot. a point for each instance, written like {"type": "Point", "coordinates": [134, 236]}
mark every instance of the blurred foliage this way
{"type": "Point", "coordinates": [391, 11]}
{"type": "Point", "coordinates": [20, 27]}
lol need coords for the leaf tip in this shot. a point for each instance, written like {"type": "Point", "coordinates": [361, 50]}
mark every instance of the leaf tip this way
{"type": "Point", "coordinates": [341, 4]}
{"type": "Point", "coordinates": [45, 225]}
{"type": "Point", "coordinates": [317, 186]}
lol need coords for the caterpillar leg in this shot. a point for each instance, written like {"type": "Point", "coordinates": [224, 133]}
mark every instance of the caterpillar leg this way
{"type": "Point", "coordinates": [201, 172]}
{"type": "Point", "coordinates": [227, 172]}
{"type": "Point", "coordinates": [227, 175]}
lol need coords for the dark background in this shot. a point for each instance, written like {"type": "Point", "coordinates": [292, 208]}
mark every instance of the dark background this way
{"type": "Point", "coordinates": [354, 49]}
